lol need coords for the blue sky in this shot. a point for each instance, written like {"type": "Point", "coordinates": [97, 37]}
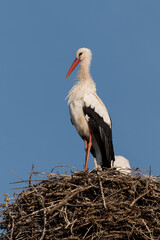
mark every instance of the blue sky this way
{"type": "Point", "coordinates": [37, 46]}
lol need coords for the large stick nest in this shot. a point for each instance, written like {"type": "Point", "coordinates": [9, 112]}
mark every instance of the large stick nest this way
{"type": "Point", "coordinates": [97, 205]}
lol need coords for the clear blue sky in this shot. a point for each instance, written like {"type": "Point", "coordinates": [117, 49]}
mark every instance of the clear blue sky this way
{"type": "Point", "coordinates": [38, 41]}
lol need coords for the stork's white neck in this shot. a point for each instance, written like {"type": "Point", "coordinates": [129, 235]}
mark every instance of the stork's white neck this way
{"type": "Point", "coordinates": [83, 73]}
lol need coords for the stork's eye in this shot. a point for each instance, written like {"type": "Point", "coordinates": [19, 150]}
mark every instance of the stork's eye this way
{"type": "Point", "coordinates": [80, 54]}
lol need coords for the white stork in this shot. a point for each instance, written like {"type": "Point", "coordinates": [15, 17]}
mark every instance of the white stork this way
{"type": "Point", "coordinates": [88, 113]}
{"type": "Point", "coordinates": [121, 164]}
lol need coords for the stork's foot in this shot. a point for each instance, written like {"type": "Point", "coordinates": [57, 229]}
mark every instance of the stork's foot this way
{"type": "Point", "coordinates": [97, 167]}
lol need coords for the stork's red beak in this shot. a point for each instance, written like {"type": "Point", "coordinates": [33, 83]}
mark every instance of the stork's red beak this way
{"type": "Point", "coordinates": [74, 65]}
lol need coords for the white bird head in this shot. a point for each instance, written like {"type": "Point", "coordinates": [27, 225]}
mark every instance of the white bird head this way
{"type": "Point", "coordinates": [121, 164]}
{"type": "Point", "coordinates": [83, 55]}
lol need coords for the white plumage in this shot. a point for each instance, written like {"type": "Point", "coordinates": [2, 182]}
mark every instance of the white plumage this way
{"type": "Point", "coordinates": [88, 113]}
{"type": "Point", "coordinates": [122, 164]}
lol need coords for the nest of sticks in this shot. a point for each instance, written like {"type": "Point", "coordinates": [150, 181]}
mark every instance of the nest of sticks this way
{"type": "Point", "coordinates": [95, 205]}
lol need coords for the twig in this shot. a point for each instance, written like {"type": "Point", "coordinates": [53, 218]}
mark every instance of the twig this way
{"type": "Point", "coordinates": [148, 229]}
{"type": "Point", "coordinates": [62, 167]}
{"type": "Point", "coordinates": [142, 195]}
{"type": "Point", "coordinates": [150, 170]}
{"type": "Point", "coordinates": [45, 222]}
{"type": "Point", "coordinates": [100, 183]}
{"type": "Point", "coordinates": [31, 175]}
{"type": "Point", "coordinates": [11, 237]}
{"type": "Point", "coordinates": [104, 201]}
{"type": "Point", "coordinates": [17, 176]}
{"type": "Point", "coordinates": [87, 231]}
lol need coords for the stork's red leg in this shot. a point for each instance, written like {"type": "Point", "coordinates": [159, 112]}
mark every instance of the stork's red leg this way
{"type": "Point", "coordinates": [85, 147]}
{"type": "Point", "coordinates": [88, 149]}
{"type": "Point", "coordinates": [86, 144]}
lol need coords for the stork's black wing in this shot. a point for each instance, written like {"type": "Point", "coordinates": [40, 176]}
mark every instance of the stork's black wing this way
{"type": "Point", "coordinates": [102, 133]}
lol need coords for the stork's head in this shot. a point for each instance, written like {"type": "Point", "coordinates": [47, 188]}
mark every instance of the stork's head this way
{"type": "Point", "coordinates": [84, 56]}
